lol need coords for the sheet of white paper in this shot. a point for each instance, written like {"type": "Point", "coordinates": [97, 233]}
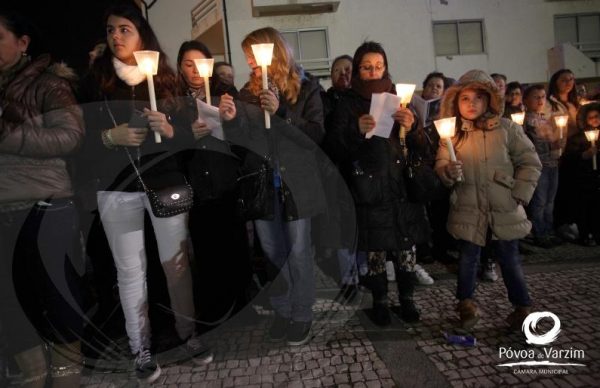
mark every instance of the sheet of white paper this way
{"type": "Point", "coordinates": [383, 106]}
{"type": "Point", "coordinates": [210, 115]}
{"type": "Point", "coordinates": [423, 108]}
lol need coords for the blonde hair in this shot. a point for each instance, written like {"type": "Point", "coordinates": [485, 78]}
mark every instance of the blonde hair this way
{"type": "Point", "coordinates": [282, 71]}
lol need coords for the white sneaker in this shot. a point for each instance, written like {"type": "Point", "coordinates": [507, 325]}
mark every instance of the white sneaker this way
{"type": "Point", "coordinates": [389, 269]}
{"type": "Point", "coordinates": [422, 276]}
{"type": "Point", "coordinates": [489, 272]}
{"type": "Point", "coordinates": [198, 351]}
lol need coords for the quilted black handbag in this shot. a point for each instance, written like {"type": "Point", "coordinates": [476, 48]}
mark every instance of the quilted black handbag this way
{"type": "Point", "coordinates": [173, 199]}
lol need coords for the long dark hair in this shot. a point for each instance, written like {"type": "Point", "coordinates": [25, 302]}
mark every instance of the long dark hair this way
{"type": "Point", "coordinates": [553, 89]}
{"type": "Point", "coordinates": [184, 48]}
{"type": "Point", "coordinates": [364, 49]}
{"type": "Point", "coordinates": [104, 72]}
{"type": "Point", "coordinates": [20, 25]}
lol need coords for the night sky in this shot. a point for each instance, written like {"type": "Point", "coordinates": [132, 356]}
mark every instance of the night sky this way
{"type": "Point", "coordinates": [70, 28]}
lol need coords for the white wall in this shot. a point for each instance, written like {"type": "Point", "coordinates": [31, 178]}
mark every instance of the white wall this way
{"type": "Point", "coordinates": [518, 33]}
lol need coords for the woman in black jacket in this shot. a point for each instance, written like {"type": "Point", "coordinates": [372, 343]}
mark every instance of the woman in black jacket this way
{"type": "Point", "coordinates": [119, 92]}
{"type": "Point", "coordinates": [293, 191]}
{"type": "Point", "coordinates": [217, 231]}
{"type": "Point", "coordinates": [388, 223]}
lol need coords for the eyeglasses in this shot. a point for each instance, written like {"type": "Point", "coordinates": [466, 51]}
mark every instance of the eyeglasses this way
{"type": "Point", "coordinates": [370, 68]}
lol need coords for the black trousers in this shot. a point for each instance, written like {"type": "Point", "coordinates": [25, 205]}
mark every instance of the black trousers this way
{"type": "Point", "coordinates": [40, 282]}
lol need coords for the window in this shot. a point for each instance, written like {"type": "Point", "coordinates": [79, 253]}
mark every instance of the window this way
{"type": "Point", "coordinates": [311, 49]}
{"type": "Point", "coordinates": [458, 37]}
{"type": "Point", "coordinates": [581, 30]}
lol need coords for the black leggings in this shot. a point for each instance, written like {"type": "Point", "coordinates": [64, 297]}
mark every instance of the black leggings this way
{"type": "Point", "coordinates": [39, 285]}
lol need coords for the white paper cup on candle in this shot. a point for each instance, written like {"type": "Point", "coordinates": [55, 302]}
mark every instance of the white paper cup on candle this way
{"type": "Point", "coordinates": [205, 70]}
{"type": "Point", "coordinates": [592, 137]}
{"type": "Point", "coordinates": [263, 55]}
{"type": "Point", "coordinates": [147, 61]}
{"type": "Point", "coordinates": [518, 118]}
{"type": "Point", "coordinates": [446, 129]}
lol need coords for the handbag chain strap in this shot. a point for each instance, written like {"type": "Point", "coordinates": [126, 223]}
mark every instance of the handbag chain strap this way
{"type": "Point", "coordinates": [126, 149]}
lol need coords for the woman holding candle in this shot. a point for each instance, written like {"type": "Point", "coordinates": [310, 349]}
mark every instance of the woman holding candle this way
{"type": "Point", "coordinates": [116, 90]}
{"type": "Point", "coordinates": [389, 225]}
{"type": "Point", "coordinates": [218, 233]}
{"type": "Point", "coordinates": [562, 100]}
{"type": "Point", "coordinates": [544, 135]}
{"type": "Point", "coordinates": [294, 193]}
{"type": "Point", "coordinates": [580, 153]}
{"type": "Point", "coordinates": [41, 126]}
{"type": "Point", "coordinates": [499, 169]}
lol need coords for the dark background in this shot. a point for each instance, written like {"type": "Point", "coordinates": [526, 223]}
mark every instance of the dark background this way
{"type": "Point", "coordinates": [69, 28]}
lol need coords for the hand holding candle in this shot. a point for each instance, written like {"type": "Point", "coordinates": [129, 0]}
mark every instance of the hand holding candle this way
{"type": "Point", "coordinates": [592, 137]}
{"type": "Point", "coordinates": [446, 129]}
{"type": "Point", "coordinates": [147, 62]}
{"type": "Point", "coordinates": [205, 70]}
{"type": "Point", "coordinates": [263, 54]}
{"type": "Point", "coordinates": [405, 92]}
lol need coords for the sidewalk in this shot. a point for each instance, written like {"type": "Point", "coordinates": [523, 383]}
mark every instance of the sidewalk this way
{"type": "Point", "coordinates": [347, 350]}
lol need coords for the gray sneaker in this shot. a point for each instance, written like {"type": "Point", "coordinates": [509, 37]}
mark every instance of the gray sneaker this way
{"type": "Point", "coordinates": [489, 272]}
{"type": "Point", "coordinates": [198, 351]}
{"type": "Point", "coordinates": [146, 367]}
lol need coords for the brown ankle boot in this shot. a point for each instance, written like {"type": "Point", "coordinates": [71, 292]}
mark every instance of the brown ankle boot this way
{"type": "Point", "coordinates": [516, 318]}
{"type": "Point", "coordinates": [469, 313]}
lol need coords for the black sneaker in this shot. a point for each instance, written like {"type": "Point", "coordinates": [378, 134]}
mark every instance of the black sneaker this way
{"type": "Point", "coordinates": [146, 367]}
{"type": "Point", "coordinates": [279, 328]}
{"type": "Point", "coordinates": [408, 311]}
{"type": "Point", "coordinates": [380, 314]}
{"type": "Point", "coordinates": [299, 333]}
{"type": "Point", "coordinates": [198, 351]}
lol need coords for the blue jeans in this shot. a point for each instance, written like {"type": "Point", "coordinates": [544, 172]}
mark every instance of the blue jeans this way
{"type": "Point", "coordinates": [288, 246]}
{"type": "Point", "coordinates": [507, 255]}
{"type": "Point", "coordinates": [541, 206]}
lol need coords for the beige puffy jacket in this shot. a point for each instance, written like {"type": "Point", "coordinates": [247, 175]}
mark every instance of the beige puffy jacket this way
{"type": "Point", "coordinates": [500, 169]}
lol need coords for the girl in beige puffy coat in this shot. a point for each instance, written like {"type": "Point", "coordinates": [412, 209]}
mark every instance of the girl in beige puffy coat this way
{"type": "Point", "coordinates": [499, 168]}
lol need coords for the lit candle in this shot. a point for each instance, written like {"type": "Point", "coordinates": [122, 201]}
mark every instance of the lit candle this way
{"type": "Point", "coordinates": [147, 62]}
{"type": "Point", "coordinates": [446, 129]}
{"type": "Point", "coordinates": [592, 137]}
{"type": "Point", "coordinates": [518, 117]}
{"type": "Point", "coordinates": [205, 70]}
{"type": "Point", "coordinates": [561, 123]}
{"type": "Point", "coordinates": [263, 54]}
{"type": "Point", "coordinates": [405, 92]}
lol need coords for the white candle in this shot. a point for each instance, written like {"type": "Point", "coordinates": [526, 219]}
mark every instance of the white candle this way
{"type": "Point", "coordinates": [592, 137]}
{"type": "Point", "coordinates": [147, 61]}
{"type": "Point", "coordinates": [205, 69]}
{"type": "Point", "coordinates": [263, 55]}
{"type": "Point", "coordinates": [446, 129]}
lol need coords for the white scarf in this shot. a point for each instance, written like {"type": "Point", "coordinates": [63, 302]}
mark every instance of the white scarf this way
{"type": "Point", "coordinates": [130, 74]}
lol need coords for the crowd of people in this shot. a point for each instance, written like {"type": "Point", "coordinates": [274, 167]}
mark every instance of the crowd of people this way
{"type": "Point", "coordinates": [95, 185]}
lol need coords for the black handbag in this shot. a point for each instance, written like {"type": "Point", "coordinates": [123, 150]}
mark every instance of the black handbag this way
{"type": "Point", "coordinates": [173, 199]}
{"type": "Point", "coordinates": [176, 196]}
{"type": "Point", "coordinates": [256, 193]}
{"type": "Point", "coordinates": [422, 182]}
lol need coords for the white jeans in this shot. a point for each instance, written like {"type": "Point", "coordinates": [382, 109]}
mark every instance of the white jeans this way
{"type": "Point", "coordinates": [122, 216]}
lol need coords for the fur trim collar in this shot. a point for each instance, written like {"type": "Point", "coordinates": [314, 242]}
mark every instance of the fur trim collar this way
{"type": "Point", "coordinates": [131, 75]}
{"type": "Point", "coordinates": [473, 79]}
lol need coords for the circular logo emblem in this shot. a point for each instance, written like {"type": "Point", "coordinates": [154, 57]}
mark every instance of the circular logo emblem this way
{"type": "Point", "coordinates": [530, 326]}
{"type": "Point", "coordinates": [175, 196]}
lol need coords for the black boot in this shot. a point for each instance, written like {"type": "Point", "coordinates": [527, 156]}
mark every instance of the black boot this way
{"type": "Point", "coordinates": [379, 290]}
{"type": "Point", "coordinates": [406, 287]}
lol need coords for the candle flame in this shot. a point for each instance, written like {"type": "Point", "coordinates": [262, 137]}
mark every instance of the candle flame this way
{"type": "Point", "coordinates": [561, 121]}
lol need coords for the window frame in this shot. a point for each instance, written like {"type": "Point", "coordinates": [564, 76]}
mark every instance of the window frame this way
{"type": "Point", "coordinates": [456, 23]}
{"type": "Point", "coordinates": [578, 43]}
{"type": "Point", "coordinates": [320, 72]}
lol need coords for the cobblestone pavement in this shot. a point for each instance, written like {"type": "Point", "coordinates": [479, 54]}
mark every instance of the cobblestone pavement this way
{"type": "Point", "coordinates": [347, 350]}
